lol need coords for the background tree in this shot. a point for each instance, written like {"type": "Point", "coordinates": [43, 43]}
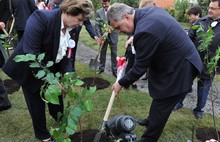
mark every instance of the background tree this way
{"type": "Point", "coordinates": [181, 7]}
{"type": "Point", "coordinates": [204, 5]}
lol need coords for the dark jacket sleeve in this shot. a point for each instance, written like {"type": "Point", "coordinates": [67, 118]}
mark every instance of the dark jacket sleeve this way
{"type": "Point", "coordinates": [89, 28]}
{"type": "Point", "coordinates": [98, 20]}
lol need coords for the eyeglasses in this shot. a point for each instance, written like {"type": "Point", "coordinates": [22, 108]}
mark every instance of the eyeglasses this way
{"type": "Point", "coordinates": [213, 8]}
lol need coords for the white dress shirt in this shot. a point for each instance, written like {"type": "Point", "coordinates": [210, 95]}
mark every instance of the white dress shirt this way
{"type": "Point", "coordinates": [64, 42]}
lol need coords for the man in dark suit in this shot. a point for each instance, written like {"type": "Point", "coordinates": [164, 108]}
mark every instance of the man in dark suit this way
{"type": "Point", "coordinates": [21, 11]}
{"type": "Point", "coordinates": [163, 46]}
{"type": "Point", "coordinates": [4, 16]}
{"type": "Point", "coordinates": [112, 38]}
{"type": "Point", "coordinates": [205, 80]}
{"type": "Point", "coordinates": [46, 31]}
{"type": "Point", "coordinates": [4, 12]}
{"type": "Point", "coordinates": [75, 35]}
{"type": "Point", "coordinates": [4, 102]}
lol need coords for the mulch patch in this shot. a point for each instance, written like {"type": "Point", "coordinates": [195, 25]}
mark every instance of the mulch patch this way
{"type": "Point", "coordinates": [100, 83]}
{"type": "Point", "coordinates": [206, 133]}
{"type": "Point", "coordinates": [88, 136]}
{"type": "Point", "coordinates": [11, 86]}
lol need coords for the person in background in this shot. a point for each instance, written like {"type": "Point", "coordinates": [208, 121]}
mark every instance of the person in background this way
{"type": "Point", "coordinates": [40, 4]}
{"type": "Point", "coordinates": [46, 31]}
{"type": "Point", "coordinates": [4, 101]}
{"type": "Point", "coordinates": [22, 11]}
{"type": "Point", "coordinates": [161, 45]}
{"type": "Point", "coordinates": [194, 14]}
{"type": "Point", "coordinates": [204, 82]}
{"type": "Point", "coordinates": [144, 3]}
{"type": "Point", "coordinates": [111, 40]}
{"type": "Point", "coordinates": [75, 35]}
{"type": "Point", "coordinates": [5, 13]}
{"type": "Point", "coordinates": [54, 4]}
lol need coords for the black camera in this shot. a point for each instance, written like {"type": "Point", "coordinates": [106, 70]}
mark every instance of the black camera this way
{"type": "Point", "coordinates": [120, 128]}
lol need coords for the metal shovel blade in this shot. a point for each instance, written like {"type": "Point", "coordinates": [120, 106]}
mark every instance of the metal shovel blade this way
{"type": "Point", "coordinates": [100, 133]}
{"type": "Point", "coordinates": [93, 64]}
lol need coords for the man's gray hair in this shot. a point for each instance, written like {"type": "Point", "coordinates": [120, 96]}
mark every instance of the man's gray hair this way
{"type": "Point", "coordinates": [117, 10]}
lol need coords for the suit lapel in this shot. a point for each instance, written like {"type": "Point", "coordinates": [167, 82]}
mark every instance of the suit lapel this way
{"type": "Point", "coordinates": [56, 34]}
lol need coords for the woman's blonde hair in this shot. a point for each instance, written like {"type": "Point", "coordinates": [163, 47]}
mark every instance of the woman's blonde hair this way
{"type": "Point", "coordinates": [76, 7]}
{"type": "Point", "coordinates": [143, 3]}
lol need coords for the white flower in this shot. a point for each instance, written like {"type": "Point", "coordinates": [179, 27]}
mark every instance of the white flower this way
{"type": "Point", "coordinates": [213, 24]}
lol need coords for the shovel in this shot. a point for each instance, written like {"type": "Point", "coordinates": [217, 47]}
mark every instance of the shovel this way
{"type": "Point", "coordinates": [94, 63]}
{"type": "Point", "coordinates": [105, 119]}
{"type": "Point", "coordinates": [9, 40]}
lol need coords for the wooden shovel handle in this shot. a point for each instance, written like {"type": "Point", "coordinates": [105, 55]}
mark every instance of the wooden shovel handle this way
{"type": "Point", "coordinates": [109, 106]}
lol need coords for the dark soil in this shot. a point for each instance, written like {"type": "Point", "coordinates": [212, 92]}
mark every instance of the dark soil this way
{"type": "Point", "coordinates": [11, 86]}
{"type": "Point", "coordinates": [88, 136]}
{"type": "Point", "coordinates": [206, 133]}
{"type": "Point", "coordinates": [100, 83]}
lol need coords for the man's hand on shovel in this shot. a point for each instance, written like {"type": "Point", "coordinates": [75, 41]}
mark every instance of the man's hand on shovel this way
{"type": "Point", "coordinates": [116, 87]}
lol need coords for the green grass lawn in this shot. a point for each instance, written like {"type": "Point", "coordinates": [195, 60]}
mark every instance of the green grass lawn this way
{"type": "Point", "coordinates": [16, 126]}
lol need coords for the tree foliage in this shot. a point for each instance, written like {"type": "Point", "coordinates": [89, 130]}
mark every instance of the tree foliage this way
{"type": "Point", "coordinates": [78, 98]}
{"type": "Point", "coordinates": [181, 7]}
{"type": "Point", "coordinates": [204, 4]}
{"type": "Point", "coordinates": [133, 3]}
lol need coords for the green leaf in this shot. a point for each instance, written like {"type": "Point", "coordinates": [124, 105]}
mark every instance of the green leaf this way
{"type": "Point", "coordinates": [67, 140]}
{"type": "Point", "coordinates": [76, 111]}
{"type": "Point", "coordinates": [83, 92]}
{"type": "Point", "coordinates": [70, 92]}
{"type": "Point", "coordinates": [19, 58]}
{"type": "Point", "coordinates": [6, 45]}
{"type": "Point", "coordinates": [40, 57]}
{"type": "Point", "coordinates": [71, 127]}
{"type": "Point", "coordinates": [92, 89]}
{"type": "Point", "coordinates": [78, 82]}
{"type": "Point", "coordinates": [54, 132]}
{"type": "Point", "coordinates": [51, 78]}
{"type": "Point", "coordinates": [40, 74]}
{"type": "Point", "coordinates": [57, 75]}
{"type": "Point", "coordinates": [69, 130]}
{"type": "Point", "coordinates": [49, 64]}
{"type": "Point", "coordinates": [52, 94]}
{"type": "Point", "coordinates": [88, 106]}
{"type": "Point", "coordinates": [30, 57]}
{"type": "Point", "coordinates": [34, 65]}
{"type": "Point", "coordinates": [3, 36]}
{"type": "Point", "coordinates": [74, 118]}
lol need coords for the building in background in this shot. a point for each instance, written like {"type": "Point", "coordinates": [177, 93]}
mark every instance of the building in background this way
{"type": "Point", "coordinates": [165, 3]}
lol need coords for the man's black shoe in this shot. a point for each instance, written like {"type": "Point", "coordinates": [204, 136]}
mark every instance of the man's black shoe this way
{"type": "Point", "coordinates": [178, 106]}
{"type": "Point", "coordinates": [99, 72]}
{"type": "Point", "coordinates": [143, 122]}
{"type": "Point", "coordinates": [198, 116]}
{"type": "Point", "coordinates": [5, 107]}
